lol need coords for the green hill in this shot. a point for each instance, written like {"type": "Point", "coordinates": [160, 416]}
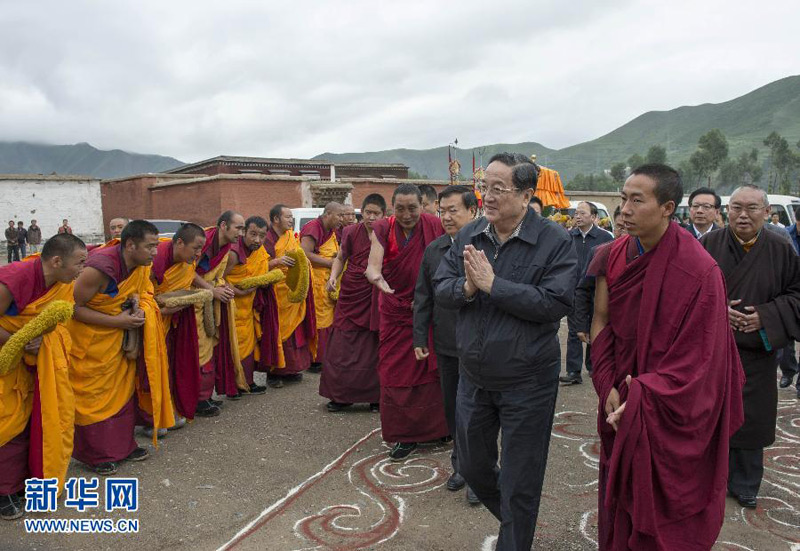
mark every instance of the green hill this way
{"type": "Point", "coordinates": [745, 121]}
{"type": "Point", "coordinates": [82, 158]}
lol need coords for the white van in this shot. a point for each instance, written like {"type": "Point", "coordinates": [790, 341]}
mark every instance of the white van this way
{"type": "Point", "coordinates": [784, 205]}
{"type": "Point", "coordinates": [306, 215]}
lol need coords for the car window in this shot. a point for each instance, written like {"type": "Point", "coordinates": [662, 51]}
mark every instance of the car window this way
{"type": "Point", "coordinates": [167, 226]}
{"type": "Point", "coordinates": [784, 216]}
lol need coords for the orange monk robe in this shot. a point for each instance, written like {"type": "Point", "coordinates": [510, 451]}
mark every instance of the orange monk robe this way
{"type": "Point", "coordinates": [298, 341]}
{"type": "Point", "coordinates": [326, 244]}
{"type": "Point", "coordinates": [104, 380]}
{"type": "Point", "coordinates": [56, 399]}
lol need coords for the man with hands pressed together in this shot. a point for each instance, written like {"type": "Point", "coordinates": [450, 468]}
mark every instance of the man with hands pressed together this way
{"type": "Point", "coordinates": [667, 376]}
{"type": "Point", "coordinates": [762, 272]}
{"type": "Point", "coordinates": [511, 275]}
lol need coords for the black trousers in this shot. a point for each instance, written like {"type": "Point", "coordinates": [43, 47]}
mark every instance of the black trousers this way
{"type": "Point", "coordinates": [448, 377]}
{"type": "Point", "coordinates": [525, 415]}
{"type": "Point", "coordinates": [788, 361]}
{"type": "Point", "coordinates": [575, 356]}
{"type": "Point", "coordinates": [13, 253]}
{"type": "Point", "coordinates": [745, 471]}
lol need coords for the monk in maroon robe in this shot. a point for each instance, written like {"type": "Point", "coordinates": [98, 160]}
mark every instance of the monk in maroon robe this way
{"type": "Point", "coordinates": [174, 269]}
{"type": "Point", "coordinates": [411, 399]}
{"type": "Point", "coordinates": [321, 244]}
{"type": "Point", "coordinates": [217, 364]}
{"type": "Point", "coordinates": [350, 375]}
{"type": "Point", "coordinates": [667, 374]}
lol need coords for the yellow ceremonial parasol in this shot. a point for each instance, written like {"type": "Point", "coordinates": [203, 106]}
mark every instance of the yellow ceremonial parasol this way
{"type": "Point", "coordinates": [550, 189]}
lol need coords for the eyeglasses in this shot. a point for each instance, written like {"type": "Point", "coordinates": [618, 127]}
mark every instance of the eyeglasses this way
{"type": "Point", "coordinates": [703, 206]}
{"type": "Point", "coordinates": [497, 191]}
{"type": "Point", "coordinates": [751, 209]}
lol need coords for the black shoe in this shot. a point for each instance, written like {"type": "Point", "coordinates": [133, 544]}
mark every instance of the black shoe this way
{"type": "Point", "coordinates": [375, 407]}
{"type": "Point", "coordinates": [139, 454]}
{"type": "Point", "coordinates": [785, 381]}
{"type": "Point", "coordinates": [401, 451]}
{"type": "Point", "coordinates": [747, 501]}
{"type": "Point", "coordinates": [472, 499]}
{"type": "Point", "coordinates": [237, 396]}
{"type": "Point", "coordinates": [207, 409]}
{"type": "Point", "coordinates": [335, 407]}
{"type": "Point", "coordinates": [257, 389]}
{"type": "Point", "coordinates": [316, 367]}
{"type": "Point", "coordinates": [274, 382]}
{"type": "Point", "coordinates": [105, 469]}
{"type": "Point", "coordinates": [571, 379]}
{"type": "Point", "coordinates": [296, 378]}
{"type": "Point", "coordinates": [9, 508]}
{"type": "Point", "coordinates": [217, 403]}
{"type": "Point", "coordinates": [455, 482]}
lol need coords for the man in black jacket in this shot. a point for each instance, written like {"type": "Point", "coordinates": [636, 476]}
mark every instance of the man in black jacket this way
{"type": "Point", "coordinates": [586, 236]}
{"type": "Point", "coordinates": [511, 275]}
{"type": "Point", "coordinates": [457, 206]}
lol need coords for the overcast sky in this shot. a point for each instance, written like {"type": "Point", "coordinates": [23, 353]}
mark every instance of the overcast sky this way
{"type": "Point", "coordinates": [195, 79]}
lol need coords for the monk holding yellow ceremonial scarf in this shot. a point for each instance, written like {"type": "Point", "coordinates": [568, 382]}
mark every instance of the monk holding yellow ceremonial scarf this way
{"type": "Point", "coordinates": [37, 406]}
{"type": "Point", "coordinates": [298, 329]}
{"type": "Point", "coordinates": [117, 334]}
{"type": "Point", "coordinates": [220, 365]}
{"type": "Point", "coordinates": [321, 245]}
{"type": "Point", "coordinates": [174, 270]}
{"type": "Point", "coordinates": [257, 326]}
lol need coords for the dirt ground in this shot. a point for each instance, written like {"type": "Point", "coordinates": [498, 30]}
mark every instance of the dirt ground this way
{"type": "Point", "coordinates": [277, 472]}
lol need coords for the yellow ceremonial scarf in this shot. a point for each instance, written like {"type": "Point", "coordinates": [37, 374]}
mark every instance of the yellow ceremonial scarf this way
{"type": "Point", "coordinates": [248, 322]}
{"type": "Point", "coordinates": [324, 305]}
{"type": "Point", "coordinates": [55, 391]}
{"type": "Point", "coordinates": [103, 378]}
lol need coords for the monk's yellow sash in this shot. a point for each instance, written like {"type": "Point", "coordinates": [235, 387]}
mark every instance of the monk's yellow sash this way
{"type": "Point", "coordinates": [178, 277]}
{"type": "Point", "coordinates": [55, 390]}
{"type": "Point", "coordinates": [102, 377]}
{"type": "Point", "coordinates": [324, 305]}
{"type": "Point", "coordinates": [248, 322]}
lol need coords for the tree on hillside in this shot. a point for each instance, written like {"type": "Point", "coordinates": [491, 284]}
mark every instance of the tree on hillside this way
{"type": "Point", "coordinates": [782, 162]}
{"type": "Point", "coordinates": [712, 150]}
{"type": "Point", "coordinates": [417, 176]}
{"type": "Point", "coordinates": [617, 172]}
{"type": "Point", "coordinates": [592, 182]}
{"type": "Point", "coordinates": [744, 170]}
{"type": "Point", "coordinates": [656, 155]}
{"type": "Point", "coordinates": [691, 179]}
{"type": "Point", "coordinates": [635, 161]}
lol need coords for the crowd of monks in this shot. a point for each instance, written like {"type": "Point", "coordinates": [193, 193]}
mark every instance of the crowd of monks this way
{"type": "Point", "coordinates": [162, 329]}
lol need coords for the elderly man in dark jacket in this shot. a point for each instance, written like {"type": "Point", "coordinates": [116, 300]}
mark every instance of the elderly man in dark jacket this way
{"type": "Point", "coordinates": [457, 207]}
{"type": "Point", "coordinates": [511, 275]}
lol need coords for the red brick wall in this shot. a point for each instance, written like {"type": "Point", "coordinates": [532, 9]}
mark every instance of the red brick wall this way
{"type": "Point", "coordinates": [126, 198]}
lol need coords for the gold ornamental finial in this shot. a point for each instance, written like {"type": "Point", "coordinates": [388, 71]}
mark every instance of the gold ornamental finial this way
{"type": "Point", "coordinates": [533, 157]}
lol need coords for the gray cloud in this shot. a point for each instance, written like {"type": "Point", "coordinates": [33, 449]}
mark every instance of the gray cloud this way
{"type": "Point", "coordinates": [196, 79]}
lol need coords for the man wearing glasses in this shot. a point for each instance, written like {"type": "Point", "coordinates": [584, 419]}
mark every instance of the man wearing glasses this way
{"type": "Point", "coordinates": [762, 272]}
{"type": "Point", "coordinates": [704, 205]}
{"type": "Point", "coordinates": [511, 276]}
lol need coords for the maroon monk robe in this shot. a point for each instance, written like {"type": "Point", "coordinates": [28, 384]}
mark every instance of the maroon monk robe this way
{"type": "Point", "coordinates": [21, 457]}
{"type": "Point", "coordinates": [316, 230]}
{"type": "Point", "coordinates": [296, 351]}
{"type": "Point", "coordinates": [210, 257]}
{"type": "Point", "coordinates": [111, 439]}
{"type": "Point", "coordinates": [350, 374]}
{"type": "Point", "coordinates": [266, 304]}
{"type": "Point", "coordinates": [182, 347]}
{"type": "Point", "coordinates": [225, 382]}
{"type": "Point", "coordinates": [663, 475]}
{"type": "Point", "coordinates": [411, 396]}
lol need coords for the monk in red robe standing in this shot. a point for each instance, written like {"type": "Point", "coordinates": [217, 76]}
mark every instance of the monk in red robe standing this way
{"type": "Point", "coordinates": [411, 399]}
{"type": "Point", "coordinates": [219, 353]}
{"type": "Point", "coordinates": [350, 375]}
{"type": "Point", "coordinates": [174, 270]}
{"type": "Point", "coordinates": [37, 405]}
{"type": "Point", "coordinates": [298, 333]}
{"type": "Point", "coordinates": [668, 377]}
{"type": "Point", "coordinates": [321, 245]}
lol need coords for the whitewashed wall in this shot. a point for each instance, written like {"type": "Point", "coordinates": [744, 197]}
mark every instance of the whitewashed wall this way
{"type": "Point", "coordinates": [50, 199]}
